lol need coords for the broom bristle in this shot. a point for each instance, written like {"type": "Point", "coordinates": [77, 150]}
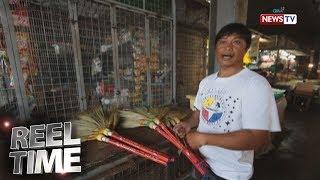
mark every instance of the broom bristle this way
{"type": "Point", "coordinates": [132, 119]}
{"type": "Point", "coordinates": [144, 111]}
{"type": "Point", "coordinates": [175, 115]}
{"type": "Point", "coordinates": [92, 122]}
{"type": "Point", "coordinates": [113, 118]}
{"type": "Point", "coordinates": [140, 116]}
{"type": "Point", "coordinates": [159, 112]}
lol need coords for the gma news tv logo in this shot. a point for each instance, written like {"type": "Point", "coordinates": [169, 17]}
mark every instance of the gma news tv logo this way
{"type": "Point", "coordinates": [278, 19]}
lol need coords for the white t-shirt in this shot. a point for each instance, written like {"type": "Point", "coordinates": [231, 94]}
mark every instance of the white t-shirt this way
{"type": "Point", "coordinates": [242, 101]}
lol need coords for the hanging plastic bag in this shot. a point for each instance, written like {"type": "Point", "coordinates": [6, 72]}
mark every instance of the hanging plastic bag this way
{"type": "Point", "coordinates": [96, 66]}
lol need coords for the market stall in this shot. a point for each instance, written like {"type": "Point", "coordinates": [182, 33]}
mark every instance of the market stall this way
{"type": "Point", "coordinates": [68, 56]}
{"type": "Point", "coordinates": [276, 57]}
{"type": "Point", "coordinates": [59, 58]}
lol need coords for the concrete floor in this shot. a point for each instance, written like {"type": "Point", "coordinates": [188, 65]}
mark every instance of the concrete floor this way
{"type": "Point", "coordinates": [298, 155]}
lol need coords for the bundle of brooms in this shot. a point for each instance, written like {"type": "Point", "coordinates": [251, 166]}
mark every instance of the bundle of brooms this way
{"type": "Point", "coordinates": [169, 115]}
{"type": "Point", "coordinates": [151, 118]}
{"type": "Point", "coordinates": [95, 124]}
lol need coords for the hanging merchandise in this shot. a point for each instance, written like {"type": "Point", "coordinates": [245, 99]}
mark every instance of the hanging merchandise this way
{"type": "Point", "coordinates": [20, 18]}
{"type": "Point", "coordinates": [127, 73]}
{"type": "Point", "coordinates": [22, 42]}
{"type": "Point", "coordinates": [56, 49]}
{"type": "Point", "coordinates": [96, 66]}
{"type": "Point", "coordinates": [11, 81]}
{"type": "Point", "coordinates": [104, 48]}
{"type": "Point", "coordinates": [28, 64]}
{"type": "Point", "coordinates": [161, 74]}
{"type": "Point", "coordinates": [123, 100]}
{"type": "Point", "coordinates": [135, 97]}
{"type": "Point", "coordinates": [124, 36]}
{"type": "Point", "coordinates": [104, 89]}
{"type": "Point", "coordinates": [139, 62]}
{"type": "Point", "coordinates": [5, 71]}
{"type": "Point", "coordinates": [154, 62]}
{"type": "Point", "coordinates": [137, 88]}
{"type": "Point", "coordinates": [154, 59]}
{"type": "Point", "coordinates": [100, 89]}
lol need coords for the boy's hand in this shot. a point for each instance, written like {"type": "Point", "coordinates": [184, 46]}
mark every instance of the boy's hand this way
{"type": "Point", "coordinates": [195, 139]}
{"type": "Point", "coordinates": [182, 129]}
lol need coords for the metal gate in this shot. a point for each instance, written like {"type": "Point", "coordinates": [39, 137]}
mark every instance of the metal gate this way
{"type": "Point", "coordinates": [73, 54]}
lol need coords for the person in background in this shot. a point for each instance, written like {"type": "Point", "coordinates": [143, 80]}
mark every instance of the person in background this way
{"type": "Point", "coordinates": [236, 110]}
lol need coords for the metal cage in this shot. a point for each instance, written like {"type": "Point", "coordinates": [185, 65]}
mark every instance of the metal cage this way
{"type": "Point", "coordinates": [8, 101]}
{"type": "Point", "coordinates": [69, 55]}
{"type": "Point", "coordinates": [46, 57]}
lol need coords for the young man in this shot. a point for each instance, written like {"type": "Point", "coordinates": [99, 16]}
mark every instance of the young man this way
{"type": "Point", "coordinates": [236, 110]}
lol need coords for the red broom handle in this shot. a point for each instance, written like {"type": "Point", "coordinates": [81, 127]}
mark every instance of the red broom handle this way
{"type": "Point", "coordinates": [188, 153]}
{"type": "Point", "coordinates": [132, 150]}
{"type": "Point", "coordinates": [164, 127]}
{"type": "Point", "coordinates": [165, 135]}
{"type": "Point", "coordinates": [171, 134]}
{"type": "Point", "coordinates": [197, 161]}
{"type": "Point", "coordinates": [143, 148]}
{"type": "Point", "coordinates": [200, 165]}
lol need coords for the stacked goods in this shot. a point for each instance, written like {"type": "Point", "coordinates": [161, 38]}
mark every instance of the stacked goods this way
{"type": "Point", "coordinates": [143, 117]}
{"type": "Point", "coordinates": [139, 62]}
{"type": "Point", "coordinates": [97, 125]}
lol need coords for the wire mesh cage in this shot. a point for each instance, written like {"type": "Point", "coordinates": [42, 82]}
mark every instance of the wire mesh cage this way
{"type": "Point", "coordinates": [128, 47]}
{"type": "Point", "coordinates": [159, 6]}
{"type": "Point", "coordinates": [77, 54]}
{"type": "Point", "coordinates": [191, 62]}
{"type": "Point", "coordinates": [162, 7]}
{"type": "Point", "coordinates": [161, 61]}
{"type": "Point", "coordinates": [132, 55]}
{"type": "Point", "coordinates": [96, 50]}
{"type": "Point", "coordinates": [8, 101]}
{"type": "Point", "coordinates": [45, 51]}
{"type": "Point", "coordinates": [135, 3]}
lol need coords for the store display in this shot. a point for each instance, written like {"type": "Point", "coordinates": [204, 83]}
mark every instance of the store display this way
{"type": "Point", "coordinates": [96, 66]}
{"type": "Point", "coordinates": [20, 18]}
{"type": "Point", "coordinates": [27, 61]}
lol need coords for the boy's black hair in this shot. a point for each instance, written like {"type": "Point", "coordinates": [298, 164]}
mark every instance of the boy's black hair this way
{"type": "Point", "coordinates": [235, 28]}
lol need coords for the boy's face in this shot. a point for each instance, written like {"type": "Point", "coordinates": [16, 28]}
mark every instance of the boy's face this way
{"type": "Point", "coordinates": [230, 51]}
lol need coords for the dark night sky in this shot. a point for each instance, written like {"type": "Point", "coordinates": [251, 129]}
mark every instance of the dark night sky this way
{"type": "Point", "coordinates": [307, 28]}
